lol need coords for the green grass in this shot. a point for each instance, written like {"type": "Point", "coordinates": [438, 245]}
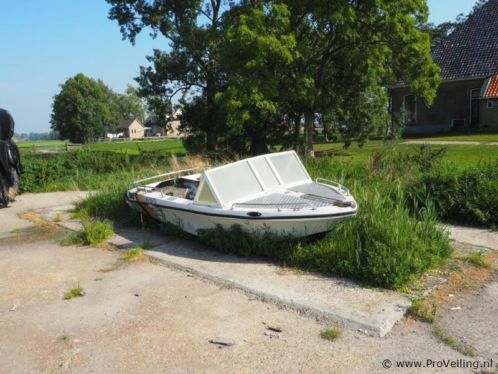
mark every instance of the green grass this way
{"type": "Point", "coordinates": [459, 136]}
{"type": "Point", "coordinates": [464, 349]}
{"type": "Point", "coordinates": [74, 292]}
{"type": "Point", "coordinates": [133, 254]}
{"type": "Point", "coordinates": [331, 334]}
{"type": "Point", "coordinates": [477, 259]}
{"type": "Point", "coordinates": [93, 232]}
{"type": "Point", "coordinates": [162, 147]}
{"type": "Point", "coordinates": [40, 143]}
{"type": "Point", "coordinates": [422, 311]}
{"type": "Point", "coordinates": [462, 156]}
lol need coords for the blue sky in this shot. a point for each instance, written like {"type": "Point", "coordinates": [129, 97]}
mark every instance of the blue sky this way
{"type": "Point", "coordinates": [45, 42]}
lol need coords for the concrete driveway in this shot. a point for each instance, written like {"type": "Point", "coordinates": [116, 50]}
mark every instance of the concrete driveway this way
{"type": "Point", "coordinates": [142, 317]}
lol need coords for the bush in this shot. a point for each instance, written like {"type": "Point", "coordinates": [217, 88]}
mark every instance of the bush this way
{"type": "Point", "coordinates": [195, 143]}
{"type": "Point", "coordinates": [469, 196]}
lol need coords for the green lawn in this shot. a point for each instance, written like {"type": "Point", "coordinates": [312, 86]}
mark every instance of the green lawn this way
{"type": "Point", "coordinates": [459, 136]}
{"type": "Point", "coordinates": [462, 155]}
{"type": "Point", "coordinates": [40, 143]}
{"type": "Point", "coordinates": [165, 146]}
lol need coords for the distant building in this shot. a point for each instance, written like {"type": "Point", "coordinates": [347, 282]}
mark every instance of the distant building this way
{"type": "Point", "coordinates": [169, 125]}
{"type": "Point", "coordinates": [468, 95]}
{"type": "Point", "coordinates": [131, 128]}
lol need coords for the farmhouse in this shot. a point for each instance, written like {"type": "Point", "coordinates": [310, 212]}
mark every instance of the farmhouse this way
{"type": "Point", "coordinates": [468, 94]}
{"type": "Point", "coordinates": [169, 125]}
{"type": "Point", "coordinates": [131, 128]}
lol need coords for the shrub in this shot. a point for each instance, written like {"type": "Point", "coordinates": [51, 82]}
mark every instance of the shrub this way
{"type": "Point", "coordinates": [469, 196]}
{"type": "Point", "coordinates": [195, 143]}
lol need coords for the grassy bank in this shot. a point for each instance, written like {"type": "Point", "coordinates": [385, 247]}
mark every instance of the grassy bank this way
{"type": "Point", "coordinates": [85, 170]}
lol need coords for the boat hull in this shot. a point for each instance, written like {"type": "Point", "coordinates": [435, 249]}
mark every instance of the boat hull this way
{"type": "Point", "coordinates": [280, 226]}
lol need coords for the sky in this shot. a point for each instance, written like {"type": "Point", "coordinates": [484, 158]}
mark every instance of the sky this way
{"type": "Point", "coordinates": [43, 43]}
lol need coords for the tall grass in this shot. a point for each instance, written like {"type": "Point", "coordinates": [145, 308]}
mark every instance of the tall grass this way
{"type": "Point", "coordinates": [84, 170]}
{"type": "Point", "coordinates": [384, 245]}
{"type": "Point", "coordinates": [470, 196]}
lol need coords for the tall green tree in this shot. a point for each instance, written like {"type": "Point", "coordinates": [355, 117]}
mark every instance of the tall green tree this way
{"type": "Point", "coordinates": [343, 54]}
{"type": "Point", "coordinates": [257, 54]}
{"type": "Point", "coordinates": [189, 66]}
{"type": "Point", "coordinates": [349, 50]}
{"type": "Point", "coordinates": [83, 110]}
{"type": "Point", "coordinates": [129, 104]}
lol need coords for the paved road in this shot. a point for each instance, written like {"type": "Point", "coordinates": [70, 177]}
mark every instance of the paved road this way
{"type": "Point", "coordinates": [142, 317]}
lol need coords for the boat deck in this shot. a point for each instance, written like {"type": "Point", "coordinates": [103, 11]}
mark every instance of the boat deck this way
{"type": "Point", "coordinates": [312, 196]}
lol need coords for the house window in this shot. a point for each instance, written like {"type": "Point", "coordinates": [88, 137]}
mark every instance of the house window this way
{"type": "Point", "coordinates": [491, 104]}
{"type": "Point", "coordinates": [456, 123]}
{"type": "Point", "coordinates": [410, 105]}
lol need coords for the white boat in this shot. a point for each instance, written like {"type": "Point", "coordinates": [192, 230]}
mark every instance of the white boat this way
{"type": "Point", "coordinates": [269, 194]}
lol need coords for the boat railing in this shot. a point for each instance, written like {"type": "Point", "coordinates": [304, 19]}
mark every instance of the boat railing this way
{"type": "Point", "coordinates": [168, 176]}
{"type": "Point", "coordinates": [334, 184]}
{"type": "Point", "coordinates": [279, 206]}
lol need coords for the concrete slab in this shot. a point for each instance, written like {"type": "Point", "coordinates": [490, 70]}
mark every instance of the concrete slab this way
{"type": "Point", "coordinates": [474, 236]}
{"type": "Point", "coordinates": [10, 217]}
{"type": "Point", "coordinates": [337, 300]}
{"type": "Point", "coordinates": [127, 238]}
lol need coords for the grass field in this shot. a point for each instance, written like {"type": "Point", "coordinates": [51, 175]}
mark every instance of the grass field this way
{"type": "Point", "coordinates": [477, 137]}
{"type": "Point", "coordinates": [40, 143]}
{"type": "Point", "coordinates": [163, 147]}
{"type": "Point", "coordinates": [461, 155]}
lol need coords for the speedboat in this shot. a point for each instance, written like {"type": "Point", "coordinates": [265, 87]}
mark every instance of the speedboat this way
{"type": "Point", "coordinates": [271, 194]}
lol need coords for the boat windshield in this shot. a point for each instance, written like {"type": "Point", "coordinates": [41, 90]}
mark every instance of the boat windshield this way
{"type": "Point", "coordinates": [244, 179]}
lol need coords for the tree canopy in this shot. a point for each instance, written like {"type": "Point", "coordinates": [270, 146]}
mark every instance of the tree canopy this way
{"type": "Point", "coordinates": [85, 109]}
{"type": "Point", "coordinates": [254, 71]}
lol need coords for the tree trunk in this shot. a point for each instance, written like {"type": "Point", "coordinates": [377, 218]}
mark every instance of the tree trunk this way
{"type": "Point", "coordinates": [297, 132]}
{"type": "Point", "coordinates": [211, 120]}
{"type": "Point", "coordinates": [258, 143]}
{"type": "Point", "coordinates": [308, 133]}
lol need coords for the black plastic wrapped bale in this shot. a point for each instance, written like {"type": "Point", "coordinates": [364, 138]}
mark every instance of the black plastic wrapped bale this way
{"type": "Point", "coordinates": [6, 125]}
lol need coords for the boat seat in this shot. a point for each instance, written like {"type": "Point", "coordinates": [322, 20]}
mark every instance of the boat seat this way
{"type": "Point", "coordinates": [174, 191]}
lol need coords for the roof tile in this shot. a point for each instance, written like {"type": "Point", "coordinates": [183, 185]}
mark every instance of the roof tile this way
{"type": "Point", "coordinates": [492, 90]}
{"type": "Point", "coordinates": [472, 49]}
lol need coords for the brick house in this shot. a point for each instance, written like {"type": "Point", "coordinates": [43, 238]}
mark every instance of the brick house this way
{"type": "Point", "coordinates": [169, 125]}
{"type": "Point", "coordinates": [468, 94]}
{"type": "Point", "coordinates": [131, 128]}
